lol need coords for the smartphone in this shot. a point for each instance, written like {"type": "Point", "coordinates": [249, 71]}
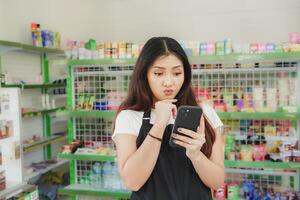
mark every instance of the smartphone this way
{"type": "Point", "coordinates": [187, 117]}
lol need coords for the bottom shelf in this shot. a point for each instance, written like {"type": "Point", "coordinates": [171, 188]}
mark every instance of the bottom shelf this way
{"type": "Point", "coordinates": [13, 188]}
{"type": "Point", "coordinates": [40, 172]}
{"type": "Point", "coordinates": [82, 189]}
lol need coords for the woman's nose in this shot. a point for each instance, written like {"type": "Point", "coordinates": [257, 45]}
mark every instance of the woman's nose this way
{"type": "Point", "coordinates": [168, 81]}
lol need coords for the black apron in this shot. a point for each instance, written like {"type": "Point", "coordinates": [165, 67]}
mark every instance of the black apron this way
{"type": "Point", "coordinates": [173, 176]}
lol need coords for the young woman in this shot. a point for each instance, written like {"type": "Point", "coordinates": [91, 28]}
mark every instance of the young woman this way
{"type": "Point", "coordinates": [148, 165]}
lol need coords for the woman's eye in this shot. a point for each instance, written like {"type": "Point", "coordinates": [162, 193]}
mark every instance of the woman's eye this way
{"type": "Point", "coordinates": [157, 73]}
{"type": "Point", "coordinates": [178, 73]}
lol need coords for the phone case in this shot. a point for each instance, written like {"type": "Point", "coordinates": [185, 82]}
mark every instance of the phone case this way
{"type": "Point", "coordinates": [187, 117]}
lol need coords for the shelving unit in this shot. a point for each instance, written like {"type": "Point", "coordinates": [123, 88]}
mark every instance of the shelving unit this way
{"type": "Point", "coordinates": [26, 63]}
{"type": "Point", "coordinates": [102, 79]}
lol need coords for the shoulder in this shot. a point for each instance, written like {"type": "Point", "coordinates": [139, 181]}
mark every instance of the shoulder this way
{"type": "Point", "coordinates": [211, 116]}
{"type": "Point", "coordinates": [128, 122]}
{"type": "Point", "coordinates": [130, 114]}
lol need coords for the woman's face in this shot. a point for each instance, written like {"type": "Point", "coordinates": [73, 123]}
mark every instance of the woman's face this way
{"type": "Point", "coordinates": [165, 77]}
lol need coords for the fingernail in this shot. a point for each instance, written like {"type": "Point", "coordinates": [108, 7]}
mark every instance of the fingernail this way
{"type": "Point", "coordinates": [179, 129]}
{"type": "Point", "coordinates": [174, 135]}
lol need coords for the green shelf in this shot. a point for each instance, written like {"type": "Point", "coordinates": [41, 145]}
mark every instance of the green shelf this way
{"type": "Point", "coordinates": [27, 47]}
{"type": "Point", "coordinates": [88, 113]}
{"type": "Point", "coordinates": [259, 115]}
{"type": "Point", "coordinates": [127, 61]}
{"type": "Point", "coordinates": [222, 115]}
{"type": "Point", "coordinates": [42, 112]}
{"type": "Point", "coordinates": [32, 86]}
{"type": "Point", "coordinates": [280, 56]}
{"type": "Point", "coordinates": [265, 165]}
{"type": "Point", "coordinates": [90, 157]}
{"type": "Point", "coordinates": [43, 142]}
{"type": "Point", "coordinates": [81, 189]}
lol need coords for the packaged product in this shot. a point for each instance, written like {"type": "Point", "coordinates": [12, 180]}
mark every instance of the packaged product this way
{"type": "Point", "coordinates": [233, 191]}
{"type": "Point", "coordinates": [203, 49]}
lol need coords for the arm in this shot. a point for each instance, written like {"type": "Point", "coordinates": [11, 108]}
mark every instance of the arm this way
{"type": "Point", "coordinates": [211, 171]}
{"type": "Point", "coordinates": [136, 165]}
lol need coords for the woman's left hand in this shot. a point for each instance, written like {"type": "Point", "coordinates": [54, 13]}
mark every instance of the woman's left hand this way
{"type": "Point", "coordinates": [192, 141]}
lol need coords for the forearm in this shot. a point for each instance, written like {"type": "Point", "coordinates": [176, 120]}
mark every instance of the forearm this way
{"type": "Point", "coordinates": [209, 172]}
{"type": "Point", "coordinates": [140, 164]}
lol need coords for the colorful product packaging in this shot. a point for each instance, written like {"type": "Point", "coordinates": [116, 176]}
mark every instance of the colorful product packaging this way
{"type": "Point", "coordinates": [294, 38]}
{"type": "Point", "coordinates": [220, 48]}
{"type": "Point", "coordinates": [246, 152]}
{"type": "Point", "coordinates": [128, 50]}
{"type": "Point", "coordinates": [122, 50]}
{"type": "Point", "coordinates": [107, 50]}
{"type": "Point", "coordinates": [135, 50]}
{"type": "Point", "coordinates": [228, 46]}
{"type": "Point", "coordinates": [100, 49]}
{"type": "Point", "coordinates": [254, 48]}
{"type": "Point", "coordinates": [270, 47]}
{"type": "Point", "coordinates": [211, 48]}
{"type": "Point", "coordinates": [233, 191]}
{"type": "Point", "coordinates": [114, 50]}
{"type": "Point", "coordinates": [203, 49]}
{"type": "Point", "coordinates": [221, 193]}
{"type": "Point", "coordinates": [259, 152]}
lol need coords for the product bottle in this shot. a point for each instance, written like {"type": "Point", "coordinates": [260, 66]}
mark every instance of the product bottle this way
{"type": "Point", "coordinates": [96, 175]}
{"type": "Point", "coordinates": [106, 175]}
{"type": "Point", "coordinates": [115, 179]}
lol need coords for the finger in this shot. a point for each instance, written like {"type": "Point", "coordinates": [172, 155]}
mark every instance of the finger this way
{"type": "Point", "coordinates": [174, 111]}
{"type": "Point", "coordinates": [201, 128]}
{"type": "Point", "coordinates": [187, 132]}
{"type": "Point", "coordinates": [180, 143]}
{"type": "Point", "coordinates": [169, 100]}
{"type": "Point", "coordinates": [182, 138]}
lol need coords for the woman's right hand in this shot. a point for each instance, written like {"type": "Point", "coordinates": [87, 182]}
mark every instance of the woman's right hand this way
{"type": "Point", "coordinates": [164, 110]}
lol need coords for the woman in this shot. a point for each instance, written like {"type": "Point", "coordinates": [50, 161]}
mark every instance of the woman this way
{"type": "Point", "coordinates": [148, 165]}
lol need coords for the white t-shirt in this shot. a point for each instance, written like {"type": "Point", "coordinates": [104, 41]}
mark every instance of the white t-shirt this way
{"type": "Point", "coordinates": [130, 121]}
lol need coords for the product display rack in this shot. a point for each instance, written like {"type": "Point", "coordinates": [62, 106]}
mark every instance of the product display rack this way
{"type": "Point", "coordinates": [108, 79]}
{"type": "Point", "coordinates": [38, 57]}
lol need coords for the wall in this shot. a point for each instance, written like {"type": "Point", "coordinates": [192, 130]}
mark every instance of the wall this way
{"type": "Point", "coordinates": [74, 19]}
{"type": "Point", "coordinates": [137, 20]}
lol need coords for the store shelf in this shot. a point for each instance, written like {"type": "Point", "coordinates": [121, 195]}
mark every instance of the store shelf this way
{"type": "Point", "coordinates": [81, 189]}
{"type": "Point", "coordinates": [222, 115]}
{"type": "Point", "coordinates": [40, 172]}
{"type": "Point", "coordinates": [236, 58]}
{"type": "Point", "coordinates": [42, 112]}
{"type": "Point", "coordinates": [54, 138]}
{"type": "Point", "coordinates": [26, 47]}
{"type": "Point", "coordinates": [13, 188]}
{"type": "Point", "coordinates": [88, 113]}
{"type": "Point", "coordinates": [32, 86]}
{"type": "Point", "coordinates": [90, 157]}
{"type": "Point", "coordinates": [105, 61]}
{"type": "Point", "coordinates": [268, 138]}
{"type": "Point", "coordinates": [288, 56]}
{"type": "Point", "coordinates": [265, 165]}
{"type": "Point", "coordinates": [260, 172]}
{"type": "Point", "coordinates": [195, 72]}
{"type": "Point", "coordinates": [259, 115]}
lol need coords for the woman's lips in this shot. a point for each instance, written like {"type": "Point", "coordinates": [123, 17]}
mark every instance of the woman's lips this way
{"type": "Point", "coordinates": [168, 92]}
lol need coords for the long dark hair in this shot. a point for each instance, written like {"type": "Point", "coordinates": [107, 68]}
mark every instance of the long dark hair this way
{"type": "Point", "coordinates": [140, 96]}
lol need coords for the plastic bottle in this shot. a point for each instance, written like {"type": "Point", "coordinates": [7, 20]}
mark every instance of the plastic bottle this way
{"type": "Point", "coordinates": [106, 175]}
{"type": "Point", "coordinates": [115, 178]}
{"type": "Point", "coordinates": [96, 175]}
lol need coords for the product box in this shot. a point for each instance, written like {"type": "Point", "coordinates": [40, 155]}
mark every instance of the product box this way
{"type": "Point", "coordinates": [122, 50]}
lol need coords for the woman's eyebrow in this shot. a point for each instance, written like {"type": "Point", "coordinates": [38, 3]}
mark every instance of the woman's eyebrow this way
{"type": "Point", "coordinates": [160, 67]}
